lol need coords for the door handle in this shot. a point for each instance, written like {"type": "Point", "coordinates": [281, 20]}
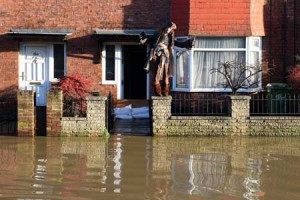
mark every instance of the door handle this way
{"type": "Point", "coordinates": [22, 76]}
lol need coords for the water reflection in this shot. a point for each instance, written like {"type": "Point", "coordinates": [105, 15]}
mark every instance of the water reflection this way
{"type": "Point", "coordinates": [149, 168]}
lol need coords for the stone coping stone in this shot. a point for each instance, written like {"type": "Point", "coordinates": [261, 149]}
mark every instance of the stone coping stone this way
{"type": "Point", "coordinates": [96, 98]}
{"type": "Point", "coordinates": [240, 97]}
{"type": "Point", "coordinates": [161, 98]}
{"type": "Point", "coordinates": [74, 119]}
{"type": "Point", "coordinates": [274, 117]}
{"type": "Point", "coordinates": [201, 117]}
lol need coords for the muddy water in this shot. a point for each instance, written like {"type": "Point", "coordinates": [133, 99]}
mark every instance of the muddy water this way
{"type": "Point", "coordinates": [149, 168]}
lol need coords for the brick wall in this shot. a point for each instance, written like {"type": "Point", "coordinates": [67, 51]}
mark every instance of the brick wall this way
{"type": "Point", "coordinates": [219, 17]}
{"type": "Point", "coordinates": [54, 113]}
{"type": "Point", "coordinates": [181, 16]}
{"type": "Point", "coordinates": [282, 41]}
{"type": "Point", "coordinates": [239, 123]}
{"type": "Point", "coordinates": [26, 113]}
{"type": "Point", "coordinates": [82, 17]}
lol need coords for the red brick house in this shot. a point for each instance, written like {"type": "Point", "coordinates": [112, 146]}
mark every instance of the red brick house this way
{"type": "Point", "coordinates": [42, 40]}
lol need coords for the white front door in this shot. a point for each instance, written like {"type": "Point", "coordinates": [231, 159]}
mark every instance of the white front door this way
{"type": "Point", "coordinates": [34, 71]}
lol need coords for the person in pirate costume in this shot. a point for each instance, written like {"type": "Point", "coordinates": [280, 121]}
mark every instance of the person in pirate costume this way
{"type": "Point", "coordinates": [161, 55]}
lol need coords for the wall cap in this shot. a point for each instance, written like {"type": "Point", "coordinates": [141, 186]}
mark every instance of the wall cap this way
{"type": "Point", "coordinates": [96, 98]}
{"type": "Point", "coordinates": [240, 97]}
{"type": "Point", "coordinates": [161, 98]}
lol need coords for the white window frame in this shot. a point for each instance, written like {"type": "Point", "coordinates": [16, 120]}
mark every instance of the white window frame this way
{"type": "Point", "coordinates": [118, 62]}
{"type": "Point", "coordinates": [247, 51]}
{"type": "Point", "coordinates": [51, 61]}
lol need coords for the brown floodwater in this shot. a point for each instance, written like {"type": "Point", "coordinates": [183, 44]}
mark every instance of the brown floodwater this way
{"type": "Point", "coordinates": [127, 167]}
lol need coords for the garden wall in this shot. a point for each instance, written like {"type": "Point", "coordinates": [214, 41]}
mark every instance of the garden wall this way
{"type": "Point", "coordinates": [238, 122]}
{"type": "Point", "coordinates": [94, 124]}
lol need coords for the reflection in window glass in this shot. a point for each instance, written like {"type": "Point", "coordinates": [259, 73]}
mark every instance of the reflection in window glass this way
{"type": "Point", "coordinates": [110, 63]}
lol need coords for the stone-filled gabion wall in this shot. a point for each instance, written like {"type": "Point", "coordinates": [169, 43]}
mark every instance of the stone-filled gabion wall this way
{"type": "Point", "coordinates": [239, 122]}
{"type": "Point", "coordinates": [92, 125]}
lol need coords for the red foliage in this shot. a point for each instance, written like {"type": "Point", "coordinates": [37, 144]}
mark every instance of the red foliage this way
{"type": "Point", "coordinates": [294, 77]}
{"type": "Point", "coordinates": [74, 86]}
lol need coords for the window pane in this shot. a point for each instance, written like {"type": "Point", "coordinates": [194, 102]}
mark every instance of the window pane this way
{"type": "Point", "coordinates": [182, 69]}
{"type": "Point", "coordinates": [254, 58]}
{"type": "Point", "coordinates": [204, 62]}
{"type": "Point", "coordinates": [59, 60]}
{"type": "Point", "coordinates": [110, 63]}
{"type": "Point", "coordinates": [254, 42]}
{"type": "Point", "coordinates": [220, 42]}
{"type": "Point", "coordinates": [254, 61]}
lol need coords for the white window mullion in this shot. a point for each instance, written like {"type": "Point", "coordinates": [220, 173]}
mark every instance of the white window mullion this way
{"type": "Point", "coordinates": [191, 69]}
{"type": "Point", "coordinates": [117, 62]}
{"type": "Point", "coordinates": [119, 71]}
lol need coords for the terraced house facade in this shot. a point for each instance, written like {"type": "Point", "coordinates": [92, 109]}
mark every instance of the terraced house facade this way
{"type": "Point", "coordinates": [41, 41]}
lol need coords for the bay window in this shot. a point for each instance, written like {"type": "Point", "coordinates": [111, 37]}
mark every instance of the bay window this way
{"type": "Point", "coordinates": [193, 67]}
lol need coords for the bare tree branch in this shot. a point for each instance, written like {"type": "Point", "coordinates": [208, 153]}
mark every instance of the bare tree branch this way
{"type": "Point", "coordinates": [237, 75]}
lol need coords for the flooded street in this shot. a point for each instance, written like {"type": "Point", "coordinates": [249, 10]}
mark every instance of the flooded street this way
{"type": "Point", "coordinates": [125, 167]}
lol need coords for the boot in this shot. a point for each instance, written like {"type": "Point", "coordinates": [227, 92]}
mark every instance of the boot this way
{"type": "Point", "coordinates": [157, 89]}
{"type": "Point", "coordinates": [166, 90]}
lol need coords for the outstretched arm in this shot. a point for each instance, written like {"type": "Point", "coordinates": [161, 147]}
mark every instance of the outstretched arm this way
{"type": "Point", "coordinates": [188, 43]}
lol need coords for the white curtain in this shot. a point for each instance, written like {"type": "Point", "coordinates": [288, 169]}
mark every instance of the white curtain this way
{"type": "Point", "coordinates": [182, 69]}
{"type": "Point", "coordinates": [220, 42]}
{"type": "Point", "coordinates": [205, 61]}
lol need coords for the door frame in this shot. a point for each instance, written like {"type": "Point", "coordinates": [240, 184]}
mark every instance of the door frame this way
{"type": "Point", "coordinates": [119, 69]}
{"type": "Point", "coordinates": [49, 61]}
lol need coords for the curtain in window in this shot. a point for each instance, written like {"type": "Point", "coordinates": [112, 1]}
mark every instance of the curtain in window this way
{"type": "Point", "coordinates": [205, 61]}
{"type": "Point", "coordinates": [220, 42]}
{"type": "Point", "coordinates": [254, 61]}
{"type": "Point", "coordinates": [182, 69]}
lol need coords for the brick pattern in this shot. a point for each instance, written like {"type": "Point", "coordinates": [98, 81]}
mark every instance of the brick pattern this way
{"type": "Point", "coordinates": [181, 16]}
{"type": "Point", "coordinates": [26, 113]}
{"type": "Point", "coordinates": [282, 42]}
{"type": "Point", "coordinates": [219, 17]}
{"type": "Point", "coordinates": [54, 113]}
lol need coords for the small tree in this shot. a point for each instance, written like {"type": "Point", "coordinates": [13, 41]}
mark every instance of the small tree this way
{"type": "Point", "coordinates": [75, 89]}
{"type": "Point", "coordinates": [237, 75]}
